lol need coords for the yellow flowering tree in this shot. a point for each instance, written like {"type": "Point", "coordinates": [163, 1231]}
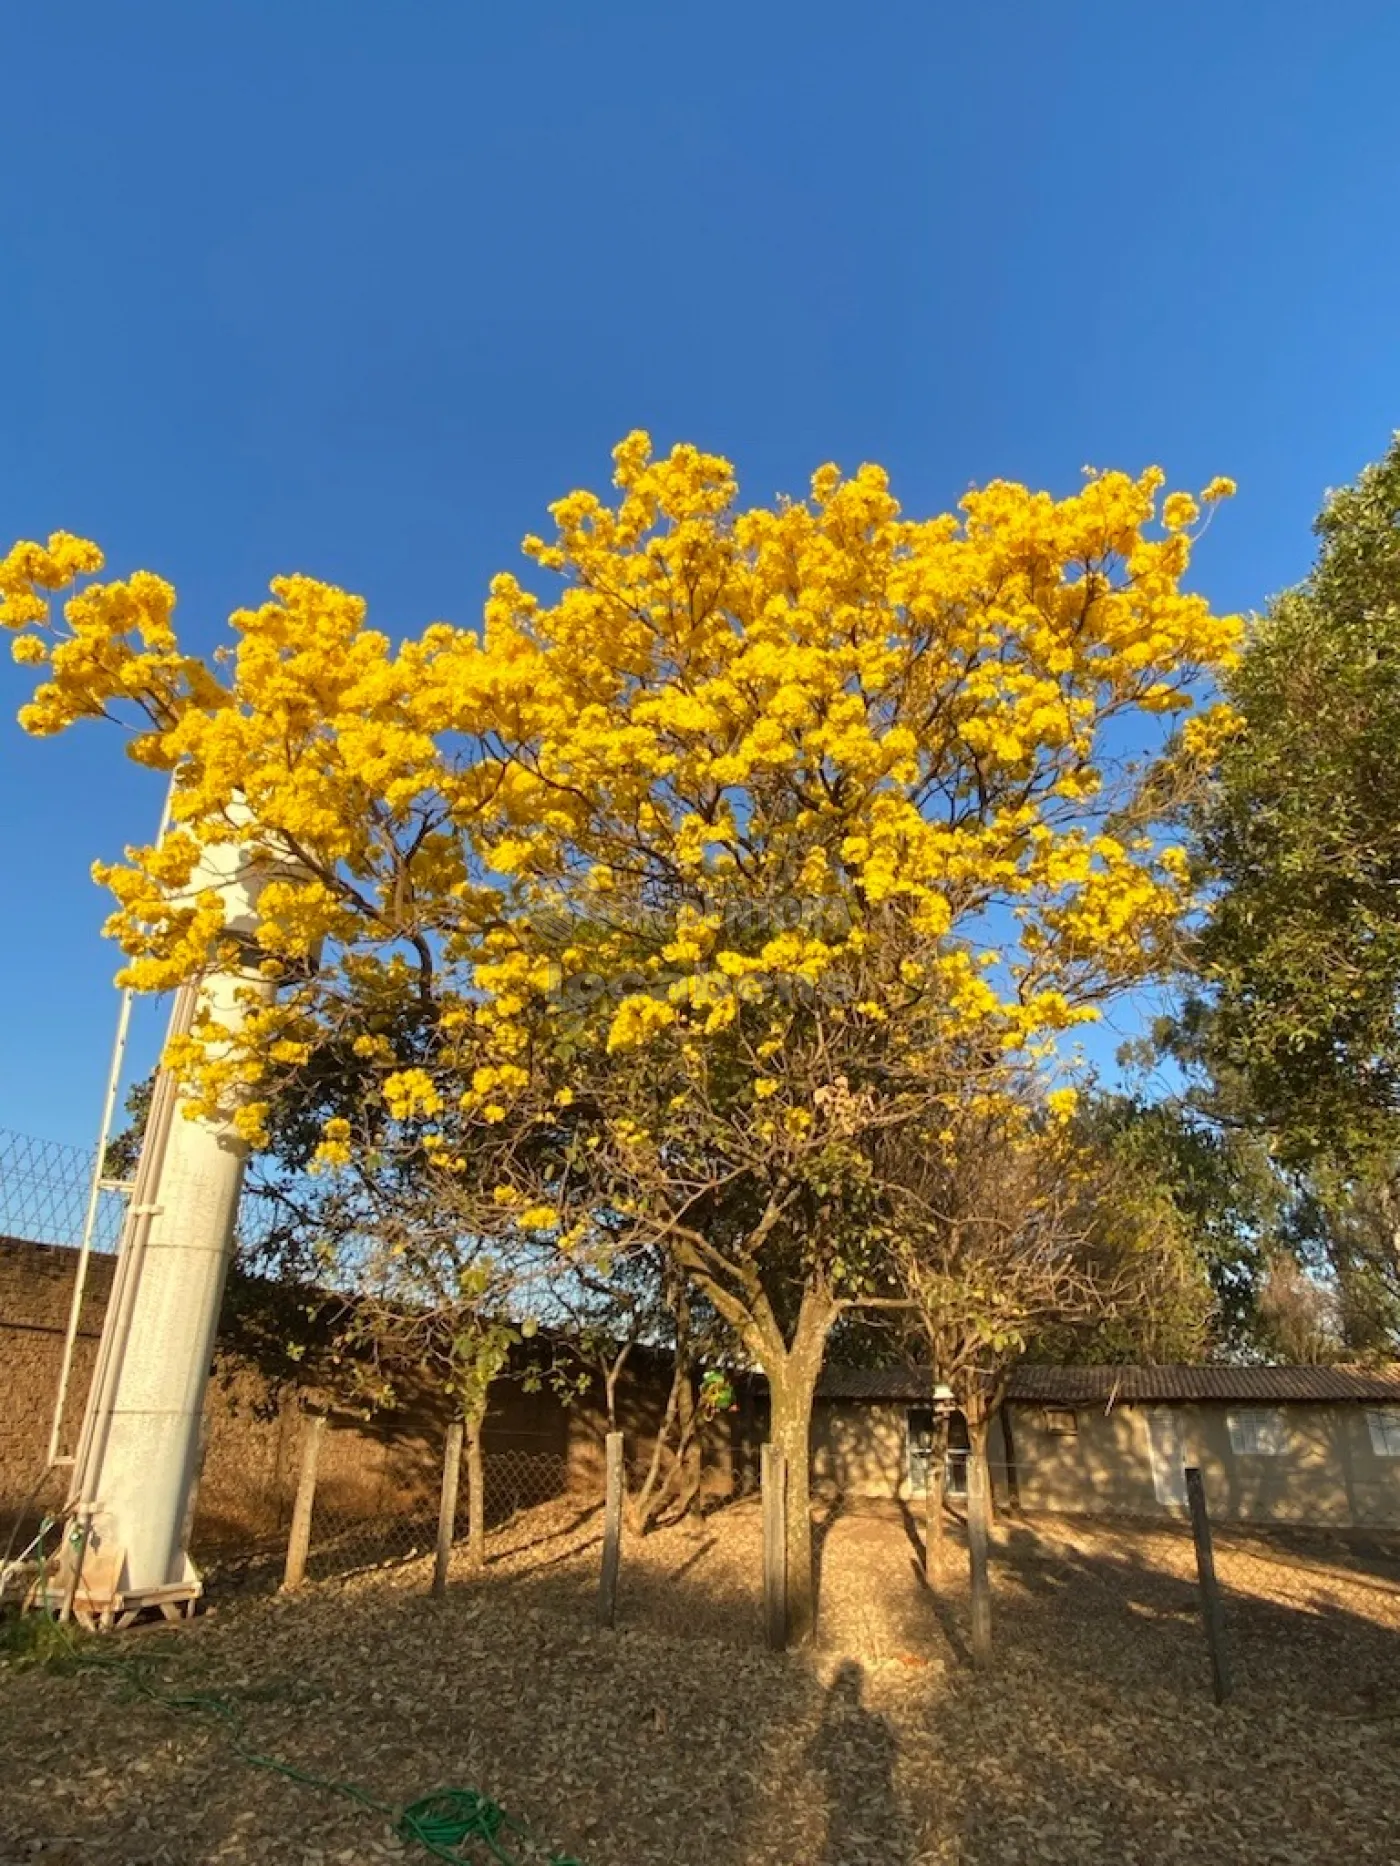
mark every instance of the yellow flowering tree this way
{"type": "Point", "coordinates": [737, 840]}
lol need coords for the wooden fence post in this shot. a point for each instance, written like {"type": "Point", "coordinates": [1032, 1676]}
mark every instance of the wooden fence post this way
{"type": "Point", "coordinates": [612, 1532]}
{"type": "Point", "coordinates": [476, 1496]}
{"type": "Point", "coordinates": [1013, 1475]}
{"type": "Point", "coordinates": [933, 1499]}
{"type": "Point", "coordinates": [299, 1537]}
{"type": "Point", "coordinates": [447, 1505]}
{"type": "Point", "coordinates": [977, 1557]}
{"type": "Point", "coordinates": [774, 1481]}
{"type": "Point", "coordinates": [1211, 1610]}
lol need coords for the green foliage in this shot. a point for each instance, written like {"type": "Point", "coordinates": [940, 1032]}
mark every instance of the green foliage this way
{"type": "Point", "coordinates": [1291, 1033]}
{"type": "Point", "coordinates": [37, 1639]}
{"type": "Point", "coordinates": [1208, 1193]}
{"type": "Point", "coordinates": [717, 1392]}
{"type": "Point", "coordinates": [1341, 1228]}
{"type": "Point", "coordinates": [124, 1149]}
{"type": "Point", "coordinates": [1301, 953]}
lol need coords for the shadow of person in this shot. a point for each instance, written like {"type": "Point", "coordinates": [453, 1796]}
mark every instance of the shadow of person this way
{"type": "Point", "coordinates": [854, 1750]}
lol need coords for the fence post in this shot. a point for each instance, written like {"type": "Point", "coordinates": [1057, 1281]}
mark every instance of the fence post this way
{"type": "Point", "coordinates": [977, 1556]}
{"type": "Point", "coordinates": [612, 1532]}
{"type": "Point", "coordinates": [1211, 1611]}
{"type": "Point", "coordinates": [933, 1500]}
{"type": "Point", "coordinates": [773, 1468]}
{"type": "Point", "coordinates": [299, 1539]}
{"type": "Point", "coordinates": [476, 1497]}
{"type": "Point", "coordinates": [447, 1505]}
{"type": "Point", "coordinates": [1013, 1475]}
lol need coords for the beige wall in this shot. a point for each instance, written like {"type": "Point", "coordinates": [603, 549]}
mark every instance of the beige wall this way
{"type": "Point", "coordinates": [859, 1449]}
{"type": "Point", "coordinates": [1327, 1475]}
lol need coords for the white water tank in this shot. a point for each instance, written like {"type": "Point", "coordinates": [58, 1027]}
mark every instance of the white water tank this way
{"type": "Point", "coordinates": [138, 1456]}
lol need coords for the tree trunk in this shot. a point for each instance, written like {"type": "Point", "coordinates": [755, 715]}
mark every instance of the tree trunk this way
{"type": "Point", "coordinates": [933, 1499]}
{"type": "Point", "coordinates": [476, 1493]}
{"type": "Point", "coordinates": [612, 1373]}
{"type": "Point", "coordinates": [791, 1368]}
{"type": "Point", "coordinates": [692, 1470]}
{"type": "Point", "coordinates": [792, 1383]}
{"type": "Point", "coordinates": [647, 1500]}
{"type": "Point", "coordinates": [691, 1449]}
{"type": "Point", "coordinates": [791, 1431]}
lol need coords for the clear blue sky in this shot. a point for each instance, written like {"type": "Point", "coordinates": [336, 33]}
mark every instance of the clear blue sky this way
{"type": "Point", "coordinates": [356, 289]}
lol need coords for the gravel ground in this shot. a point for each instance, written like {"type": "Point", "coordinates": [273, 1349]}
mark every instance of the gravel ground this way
{"type": "Point", "coordinates": [676, 1740]}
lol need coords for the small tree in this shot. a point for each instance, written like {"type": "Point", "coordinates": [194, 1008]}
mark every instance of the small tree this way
{"type": "Point", "coordinates": [413, 1320]}
{"type": "Point", "coordinates": [610, 1310]}
{"type": "Point", "coordinates": [1020, 1235]}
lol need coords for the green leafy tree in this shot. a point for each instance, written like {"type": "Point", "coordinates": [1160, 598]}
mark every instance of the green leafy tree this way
{"type": "Point", "coordinates": [1292, 1032]}
{"type": "Point", "coordinates": [1183, 1172]}
{"type": "Point", "coordinates": [1301, 951]}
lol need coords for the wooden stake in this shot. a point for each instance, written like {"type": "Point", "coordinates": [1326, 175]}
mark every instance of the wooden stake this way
{"type": "Point", "coordinates": [1211, 1611]}
{"type": "Point", "coordinates": [1013, 1475]}
{"type": "Point", "coordinates": [933, 1500]}
{"type": "Point", "coordinates": [775, 1611]}
{"type": "Point", "coordinates": [447, 1505]}
{"type": "Point", "coordinates": [299, 1538]}
{"type": "Point", "coordinates": [612, 1533]}
{"type": "Point", "coordinates": [476, 1497]}
{"type": "Point", "coordinates": [977, 1556]}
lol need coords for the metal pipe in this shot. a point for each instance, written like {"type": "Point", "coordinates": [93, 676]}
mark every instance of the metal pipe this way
{"type": "Point", "coordinates": [75, 1307]}
{"type": "Point", "coordinates": [109, 1102]}
{"type": "Point", "coordinates": [116, 1328]}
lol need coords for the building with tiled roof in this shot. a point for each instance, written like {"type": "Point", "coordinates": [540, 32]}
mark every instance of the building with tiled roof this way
{"type": "Point", "coordinates": [1274, 1444]}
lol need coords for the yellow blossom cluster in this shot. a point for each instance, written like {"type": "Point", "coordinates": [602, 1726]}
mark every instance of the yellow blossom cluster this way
{"type": "Point", "coordinates": [894, 725]}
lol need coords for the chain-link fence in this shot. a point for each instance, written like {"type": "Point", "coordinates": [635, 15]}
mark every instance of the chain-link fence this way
{"type": "Point", "coordinates": [374, 1504]}
{"type": "Point", "coordinates": [44, 1191]}
{"type": "Point", "coordinates": [45, 1186]}
{"type": "Point", "coordinates": [519, 1490]}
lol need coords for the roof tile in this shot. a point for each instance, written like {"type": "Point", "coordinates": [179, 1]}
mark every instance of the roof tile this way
{"type": "Point", "coordinates": [1071, 1386]}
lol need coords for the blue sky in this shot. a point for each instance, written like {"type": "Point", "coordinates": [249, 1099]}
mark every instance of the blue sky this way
{"type": "Point", "coordinates": [356, 289]}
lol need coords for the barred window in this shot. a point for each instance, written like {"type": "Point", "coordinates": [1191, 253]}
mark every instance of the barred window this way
{"type": "Point", "coordinates": [1061, 1421]}
{"type": "Point", "coordinates": [1383, 1423]}
{"type": "Point", "coordinates": [1260, 1432]}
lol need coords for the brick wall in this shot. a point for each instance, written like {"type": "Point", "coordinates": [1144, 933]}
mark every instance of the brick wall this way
{"type": "Point", "coordinates": [252, 1414]}
{"type": "Point", "coordinates": [36, 1288]}
{"type": "Point", "coordinates": [384, 1466]}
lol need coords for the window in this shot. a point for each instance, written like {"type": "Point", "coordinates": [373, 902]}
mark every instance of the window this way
{"type": "Point", "coordinates": [1262, 1432]}
{"type": "Point", "coordinates": [1060, 1422]}
{"type": "Point", "coordinates": [1383, 1422]}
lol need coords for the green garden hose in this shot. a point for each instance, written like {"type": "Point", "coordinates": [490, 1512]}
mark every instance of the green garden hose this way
{"type": "Point", "coordinates": [452, 1824]}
